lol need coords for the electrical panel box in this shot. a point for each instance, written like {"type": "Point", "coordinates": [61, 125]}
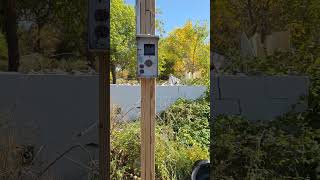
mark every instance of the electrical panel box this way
{"type": "Point", "coordinates": [99, 25]}
{"type": "Point", "coordinates": [147, 55]}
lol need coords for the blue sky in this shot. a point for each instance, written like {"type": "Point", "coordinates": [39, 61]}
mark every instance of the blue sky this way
{"type": "Point", "coordinates": [176, 12]}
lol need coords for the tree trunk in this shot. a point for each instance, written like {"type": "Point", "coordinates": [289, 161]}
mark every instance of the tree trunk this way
{"type": "Point", "coordinates": [39, 39]}
{"type": "Point", "coordinates": [2, 17]}
{"type": "Point", "coordinates": [114, 73]}
{"type": "Point", "coordinates": [11, 36]}
{"type": "Point", "coordinates": [253, 26]}
{"type": "Point", "coordinates": [37, 47]}
{"type": "Point", "coordinates": [250, 12]}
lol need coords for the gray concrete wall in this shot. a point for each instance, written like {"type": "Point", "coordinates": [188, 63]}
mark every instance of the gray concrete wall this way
{"type": "Point", "coordinates": [258, 98]}
{"type": "Point", "coordinates": [51, 110]}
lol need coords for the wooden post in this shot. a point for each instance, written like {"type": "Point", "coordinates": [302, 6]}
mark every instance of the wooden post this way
{"type": "Point", "coordinates": [99, 44]}
{"type": "Point", "coordinates": [104, 116]}
{"type": "Point", "coordinates": [146, 25]}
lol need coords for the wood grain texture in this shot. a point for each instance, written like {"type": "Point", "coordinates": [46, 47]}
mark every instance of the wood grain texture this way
{"type": "Point", "coordinates": [104, 116]}
{"type": "Point", "coordinates": [148, 94]}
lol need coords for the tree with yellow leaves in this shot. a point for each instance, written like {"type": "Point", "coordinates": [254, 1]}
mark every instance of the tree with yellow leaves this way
{"type": "Point", "coordinates": [185, 50]}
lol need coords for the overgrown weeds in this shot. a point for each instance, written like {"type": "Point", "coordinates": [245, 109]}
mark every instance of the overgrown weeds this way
{"type": "Point", "coordinates": [17, 162]}
{"type": "Point", "coordinates": [181, 139]}
{"type": "Point", "coordinates": [286, 148]}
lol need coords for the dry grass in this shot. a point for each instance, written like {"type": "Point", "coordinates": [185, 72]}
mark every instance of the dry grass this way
{"type": "Point", "coordinates": [20, 162]}
{"type": "Point", "coordinates": [17, 162]}
{"type": "Point", "coordinates": [14, 159]}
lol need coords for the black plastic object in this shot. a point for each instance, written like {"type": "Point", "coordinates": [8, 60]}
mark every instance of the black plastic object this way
{"type": "Point", "coordinates": [148, 63]}
{"type": "Point", "coordinates": [101, 15]}
{"type": "Point", "coordinates": [101, 31]}
{"type": "Point", "coordinates": [201, 170]}
{"type": "Point", "coordinates": [99, 25]}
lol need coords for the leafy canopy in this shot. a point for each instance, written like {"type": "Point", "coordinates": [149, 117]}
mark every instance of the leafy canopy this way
{"type": "Point", "coordinates": [122, 32]}
{"type": "Point", "coordinates": [186, 50]}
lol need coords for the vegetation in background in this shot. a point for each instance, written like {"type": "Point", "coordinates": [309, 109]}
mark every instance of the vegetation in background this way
{"type": "Point", "coordinates": [15, 160]}
{"type": "Point", "coordinates": [57, 30]}
{"type": "Point", "coordinates": [185, 50]}
{"type": "Point", "coordinates": [288, 147]}
{"type": "Point", "coordinates": [36, 63]}
{"type": "Point", "coordinates": [232, 18]}
{"type": "Point", "coordinates": [189, 120]}
{"type": "Point", "coordinates": [123, 41]}
{"type": "Point", "coordinates": [182, 138]}
{"type": "Point", "coordinates": [285, 148]}
{"type": "Point", "coordinates": [3, 52]}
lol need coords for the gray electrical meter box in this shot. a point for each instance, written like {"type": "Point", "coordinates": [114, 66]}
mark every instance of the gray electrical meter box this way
{"type": "Point", "coordinates": [99, 25]}
{"type": "Point", "coordinates": [147, 55]}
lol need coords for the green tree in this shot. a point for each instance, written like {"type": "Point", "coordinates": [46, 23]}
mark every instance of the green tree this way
{"type": "Point", "coordinates": [231, 18]}
{"type": "Point", "coordinates": [122, 32]}
{"type": "Point", "coordinates": [71, 20]}
{"type": "Point", "coordinates": [186, 50]}
{"type": "Point", "coordinates": [39, 13]}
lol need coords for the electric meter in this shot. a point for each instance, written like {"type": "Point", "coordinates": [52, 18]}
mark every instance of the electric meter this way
{"type": "Point", "coordinates": [147, 52]}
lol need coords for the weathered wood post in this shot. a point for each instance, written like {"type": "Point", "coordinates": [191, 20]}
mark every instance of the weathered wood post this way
{"type": "Point", "coordinates": [145, 11]}
{"type": "Point", "coordinates": [99, 43]}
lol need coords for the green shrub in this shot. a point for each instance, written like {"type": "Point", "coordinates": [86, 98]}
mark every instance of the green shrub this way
{"type": "Point", "coordinates": [286, 148]}
{"type": "Point", "coordinates": [205, 80]}
{"type": "Point", "coordinates": [125, 151]}
{"type": "Point", "coordinates": [189, 121]}
{"type": "Point", "coordinates": [41, 64]}
{"type": "Point", "coordinates": [182, 138]}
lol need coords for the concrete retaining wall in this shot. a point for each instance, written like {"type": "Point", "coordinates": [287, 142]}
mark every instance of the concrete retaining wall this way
{"type": "Point", "coordinates": [258, 98]}
{"type": "Point", "coordinates": [51, 110]}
